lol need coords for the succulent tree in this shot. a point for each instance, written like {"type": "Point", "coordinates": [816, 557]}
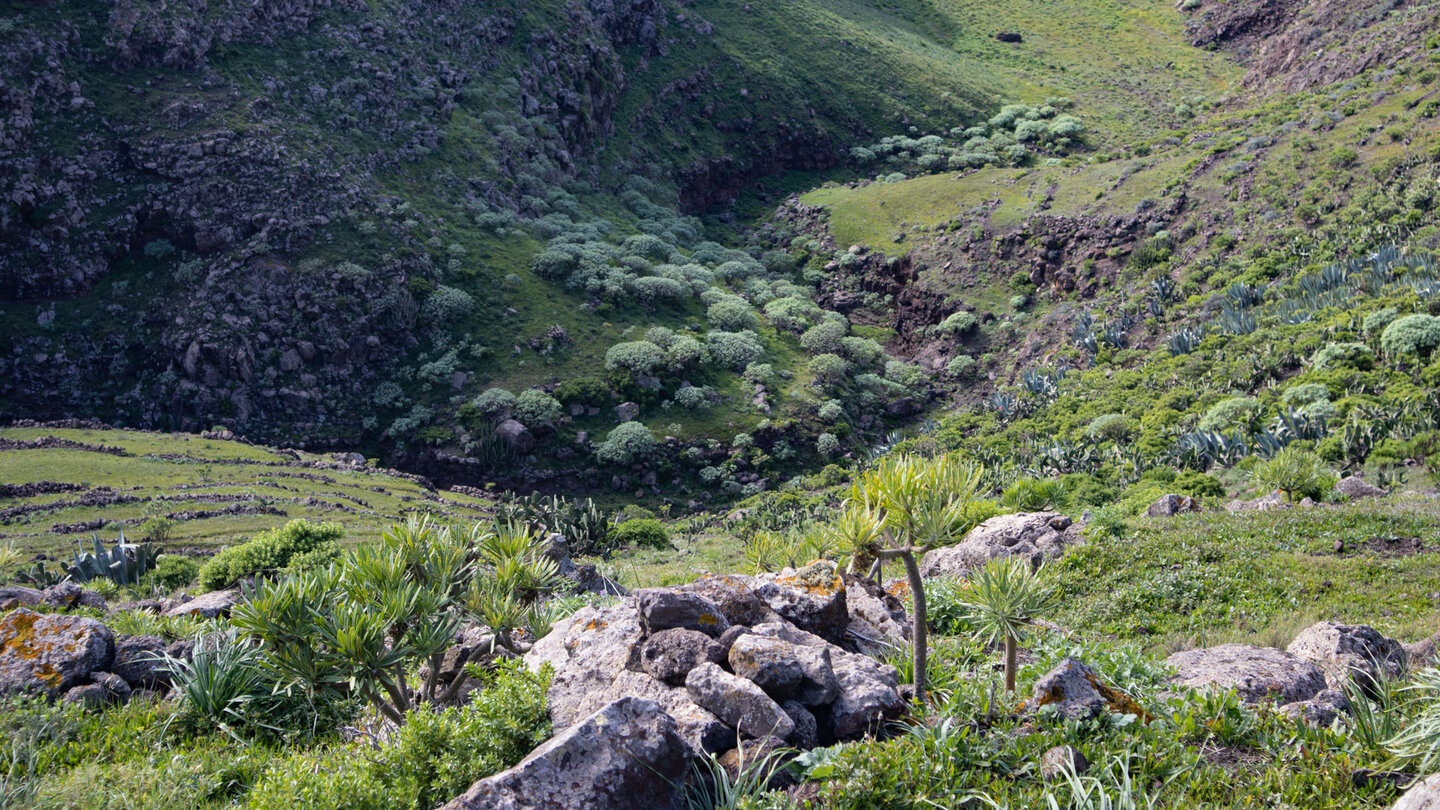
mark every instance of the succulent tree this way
{"type": "Point", "coordinates": [1007, 595]}
{"type": "Point", "coordinates": [901, 509]}
{"type": "Point", "coordinates": [365, 623]}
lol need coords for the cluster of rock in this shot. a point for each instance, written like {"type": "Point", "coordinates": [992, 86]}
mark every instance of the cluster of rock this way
{"type": "Point", "coordinates": [772, 657]}
{"type": "Point", "coordinates": [1036, 536]}
{"type": "Point", "coordinates": [79, 660]}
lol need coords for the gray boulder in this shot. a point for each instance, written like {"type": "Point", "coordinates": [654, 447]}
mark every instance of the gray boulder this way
{"type": "Point", "coordinates": [663, 609]}
{"type": "Point", "coordinates": [807, 729]}
{"type": "Point", "coordinates": [1423, 795]}
{"type": "Point", "coordinates": [1035, 536]}
{"type": "Point", "coordinates": [669, 655]}
{"type": "Point", "coordinates": [516, 436]}
{"type": "Point", "coordinates": [51, 654]}
{"type": "Point", "coordinates": [868, 697]}
{"type": "Point", "coordinates": [1062, 760]}
{"type": "Point", "coordinates": [69, 595]}
{"type": "Point", "coordinates": [1172, 505]}
{"type": "Point", "coordinates": [735, 598]}
{"type": "Point", "coordinates": [739, 703]}
{"type": "Point", "coordinates": [104, 689]}
{"type": "Point", "coordinates": [1319, 711]}
{"type": "Point", "coordinates": [818, 686]}
{"type": "Point", "coordinates": [1349, 653]}
{"type": "Point", "coordinates": [878, 623]}
{"type": "Point", "coordinates": [1356, 488]}
{"type": "Point", "coordinates": [13, 596]}
{"type": "Point", "coordinates": [1257, 674]}
{"type": "Point", "coordinates": [628, 754]}
{"type": "Point", "coordinates": [1076, 691]}
{"type": "Point", "coordinates": [1275, 500]}
{"type": "Point", "coordinates": [701, 729]}
{"type": "Point", "coordinates": [207, 605]}
{"type": "Point", "coordinates": [138, 662]}
{"type": "Point", "coordinates": [587, 654]}
{"type": "Point", "coordinates": [769, 663]}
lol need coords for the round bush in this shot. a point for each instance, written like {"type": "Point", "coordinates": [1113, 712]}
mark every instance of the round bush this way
{"type": "Point", "coordinates": [635, 356]}
{"type": "Point", "coordinates": [1354, 355]}
{"type": "Point", "coordinates": [823, 338]}
{"type": "Point", "coordinates": [642, 533]}
{"type": "Point", "coordinates": [1112, 427]}
{"type": "Point", "coordinates": [959, 323]}
{"type": "Point", "coordinates": [827, 444]}
{"type": "Point", "coordinates": [1376, 322]}
{"type": "Point", "coordinates": [1230, 413]}
{"type": "Point", "coordinates": [535, 407]}
{"type": "Point", "coordinates": [445, 306]}
{"type": "Point", "coordinates": [828, 368]}
{"type": "Point", "coordinates": [731, 315]}
{"type": "Point", "coordinates": [1411, 335]}
{"type": "Point", "coordinates": [734, 350]}
{"type": "Point", "coordinates": [495, 401]}
{"type": "Point", "coordinates": [960, 366]}
{"type": "Point", "coordinates": [627, 444]}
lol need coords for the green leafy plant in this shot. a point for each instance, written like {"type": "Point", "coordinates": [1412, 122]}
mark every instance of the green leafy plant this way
{"type": "Point", "coordinates": [1297, 473]}
{"type": "Point", "coordinates": [1005, 598]}
{"type": "Point", "coordinates": [642, 533]}
{"type": "Point", "coordinates": [123, 565]}
{"type": "Point", "coordinates": [270, 551]}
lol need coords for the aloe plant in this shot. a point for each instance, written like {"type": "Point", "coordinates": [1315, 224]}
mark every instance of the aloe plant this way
{"type": "Point", "coordinates": [123, 565]}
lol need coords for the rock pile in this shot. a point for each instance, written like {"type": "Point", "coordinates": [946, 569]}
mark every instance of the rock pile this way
{"type": "Point", "coordinates": [1036, 536]}
{"type": "Point", "coordinates": [78, 659]}
{"type": "Point", "coordinates": [772, 657]}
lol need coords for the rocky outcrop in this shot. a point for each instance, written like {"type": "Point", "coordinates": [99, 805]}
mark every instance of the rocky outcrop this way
{"type": "Point", "coordinates": [1034, 536]}
{"type": "Point", "coordinates": [1423, 795]}
{"type": "Point", "coordinates": [1355, 488]}
{"type": "Point", "coordinates": [51, 654]}
{"type": "Point", "coordinates": [1172, 505]}
{"type": "Point", "coordinates": [1257, 674]}
{"type": "Point", "coordinates": [721, 681]}
{"type": "Point", "coordinates": [627, 754]}
{"type": "Point", "coordinates": [1349, 653]}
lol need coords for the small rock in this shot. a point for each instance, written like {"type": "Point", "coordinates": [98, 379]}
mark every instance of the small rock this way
{"type": "Point", "coordinates": [1062, 760]}
{"type": "Point", "coordinates": [1076, 691]}
{"type": "Point", "coordinates": [1319, 711]}
{"type": "Point", "coordinates": [1347, 653]}
{"type": "Point", "coordinates": [661, 609]}
{"type": "Point", "coordinates": [627, 411]}
{"type": "Point", "coordinates": [738, 702]}
{"type": "Point", "coordinates": [769, 663]}
{"type": "Point", "coordinates": [138, 661]}
{"type": "Point", "coordinates": [207, 605]}
{"type": "Point", "coordinates": [669, 655]}
{"type": "Point", "coordinates": [1172, 505]}
{"type": "Point", "coordinates": [1356, 488]}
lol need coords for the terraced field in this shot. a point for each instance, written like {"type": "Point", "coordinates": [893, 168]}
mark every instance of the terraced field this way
{"type": "Point", "coordinates": [61, 484]}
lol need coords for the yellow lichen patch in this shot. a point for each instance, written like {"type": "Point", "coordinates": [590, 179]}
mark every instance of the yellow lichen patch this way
{"type": "Point", "coordinates": [818, 578]}
{"type": "Point", "coordinates": [19, 639]}
{"type": "Point", "coordinates": [707, 620]}
{"type": "Point", "coordinates": [1119, 702]}
{"type": "Point", "coordinates": [596, 624]}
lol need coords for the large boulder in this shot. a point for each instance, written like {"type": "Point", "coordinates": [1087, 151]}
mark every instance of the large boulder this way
{"type": "Point", "coordinates": [516, 436]}
{"type": "Point", "coordinates": [587, 654]}
{"type": "Point", "coordinates": [51, 654]}
{"type": "Point", "coordinates": [1257, 674]}
{"type": "Point", "coordinates": [1356, 488]}
{"type": "Point", "coordinates": [740, 703]}
{"type": "Point", "coordinates": [1034, 536]}
{"type": "Point", "coordinates": [13, 596]}
{"type": "Point", "coordinates": [701, 729]}
{"type": "Point", "coordinates": [628, 754]}
{"type": "Point", "coordinates": [1423, 795]}
{"type": "Point", "coordinates": [69, 595]}
{"type": "Point", "coordinates": [1076, 691]}
{"type": "Point", "coordinates": [1349, 653]}
{"type": "Point", "coordinates": [666, 608]}
{"type": "Point", "coordinates": [669, 655]}
{"type": "Point", "coordinates": [206, 605]}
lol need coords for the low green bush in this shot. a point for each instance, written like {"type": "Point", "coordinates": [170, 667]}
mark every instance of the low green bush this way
{"type": "Point", "coordinates": [173, 572]}
{"type": "Point", "coordinates": [270, 551]}
{"type": "Point", "coordinates": [642, 533]}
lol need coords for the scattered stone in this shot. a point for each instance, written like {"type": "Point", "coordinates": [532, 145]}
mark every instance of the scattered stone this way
{"type": "Point", "coordinates": [669, 655]}
{"type": "Point", "coordinates": [1009, 36]}
{"type": "Point", "coordinates": [1349, 653]}
{"type": "Point", "coordinates": [1275, 500]}
{"type": "Point", "coordinates": [1035, 536]}
{"type": "Point", "coordinates": [868, 697]}
{"type": "Point", "coordinates": [1062, 760]}
{"type": "Point", "coordinates": [69, 595]}
{"type": "Point", "coordinates": [740, 703]}
{"type": "Point", "coordinates": [1257, 674]}
{"type": "Point", "coordinates": [51, 654]}
{"type": "Point", "coordinates": [207, 605]}
{"type": "Point", "coordinates": [627, 411]}
{"type": "Point", "coordinates": [18, 596]}
{"type": "Point", "coordinates": [628, 754]}
{"type": "Point", "coordinates": [1172, 505]}
{"type": "Point", "coordinates": [1074, 690]}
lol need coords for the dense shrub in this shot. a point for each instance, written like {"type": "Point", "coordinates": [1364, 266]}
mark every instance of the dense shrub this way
{"type": "Point", "coordinates": [445, 306]}
{"type": "Point", "coordinates": [495, 402]}
{"type": "Point", "coordinates": [959, 323]}
{"type": "Point", "coordinates": [173, 572]}
{"type": "Point", "coordinates": [585, 390]}
{"type": "Point", "coordinates": [636, 357]}
{"type": "Point", "coordinates": [1113, 427]}
{"type": "Point", "coordinates": [731, 315]}
{"type": "Point", "coordinates": [685, 352]}
{"type": "Point", "coordinates": [642, 533]}
{"type": "Point", "coordinates": [734, 350]}
{"type": "Point", "coordinates": [626, 444]}
{"type": "Point", "coordinates": [960, 366]}
{"type": "Point", "coordinates": [1354, 355]}
{"type": "Point", "coordinates": [861, 351]}
{"type": "Point", "coordinates": [1231, 413]}
{"type": "Point", "coordinates": [271, 551]}
{"type": "Point", "coordinates": [823, 338]}
{"type": "Point", "coordinates": [1296, 472]}
{"type": "Point", "coordinates": [828, 368]}
{"type": "Point", "coordinates": [827, 444]}
{"type": "Point", "coordinates": [535, 407]}
{"type": "Point", "coordinates": [1376, 322]}
{"type": "Point", "coordinates": [693, 397]}
{"type": "Point", "coordinates": [1411, 335]}
{"type": "Point", "coordinates": [432, 758]}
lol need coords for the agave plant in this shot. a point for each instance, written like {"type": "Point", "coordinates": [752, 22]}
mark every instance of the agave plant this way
{"type": "Point", "coordinates": [1237, 321]}
{"type": "Point", "coordinates": [1185, 341]}
{"type": "Point", "coordinates": [123, 565]}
